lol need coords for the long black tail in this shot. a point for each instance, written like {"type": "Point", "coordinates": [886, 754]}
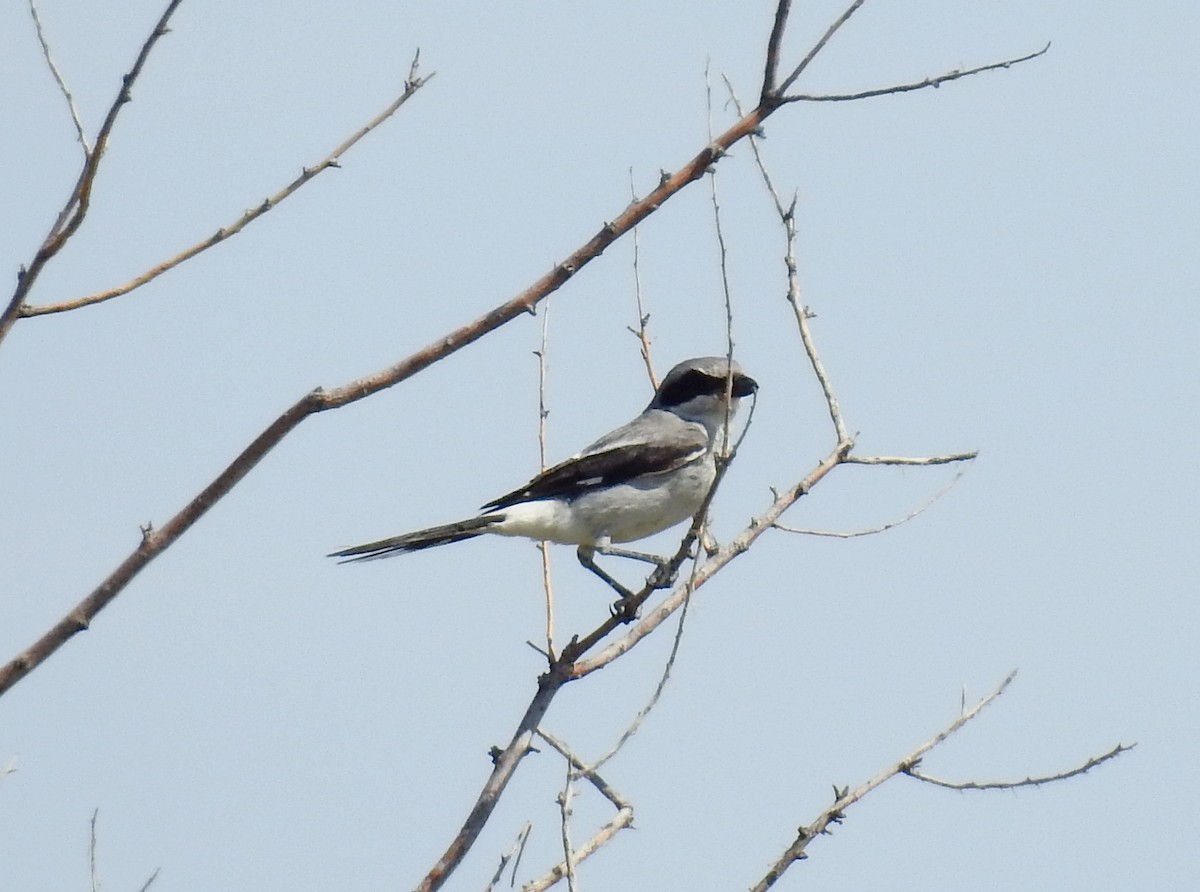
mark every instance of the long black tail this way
{"type": "Point", "coordinates": [451, 532]}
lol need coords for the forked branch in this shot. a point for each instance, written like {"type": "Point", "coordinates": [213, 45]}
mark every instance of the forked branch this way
{"type": "Point", "coordinates": [845, 797]}
{"type": "Point", "coordinates": [77, 204]}
{"type": "Point", "coordinates": [412, 84]}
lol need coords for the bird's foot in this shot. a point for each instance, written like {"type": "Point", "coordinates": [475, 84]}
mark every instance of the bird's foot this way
{"type": "Point", "coordinates": [625, 609]}
{"type": "Point", "coordinates": [664, 576]}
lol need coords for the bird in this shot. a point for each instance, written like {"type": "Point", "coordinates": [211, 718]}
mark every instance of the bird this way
{"type": "Point", "coordinates": [637, 480]}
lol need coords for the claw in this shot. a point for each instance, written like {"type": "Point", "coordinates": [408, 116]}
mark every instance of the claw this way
{"type": "Point", "coordinates": [664, 576]}
{"type": "Point", "coordinates": [624, 609]}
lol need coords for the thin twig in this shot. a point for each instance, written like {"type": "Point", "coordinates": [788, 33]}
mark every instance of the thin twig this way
{"type": "Point", "coordinates": [1087, 766]}
{"type": "Point", "coordinates": [844, 798]}
{"type": "Point", "coordinates": [150, 882]}
{"type": "Point", "coordinates": [622, 819]}
{"type": "Point", "coordinates": [411, 85]}
{"type": "Point", "coordinates": [154, 542]}
{"type": "Point", "coordinates": [645, 711]}
{"type": "Point", "coordinates": [564, 810]}
{"type": "Point", "coordinates": [919, 460]}
{"type": "Point", "coordinates": [76, 206]}
{"type": "Point", "coordinates": [58, 78]}
{"type": "Point", "coordinates": [787, 217]}
{"type": "Point", "coordinates": [92, 852]}
{"type": "Point", "coordinates": [816, 49]}
{"type": "Point", "coordinates": [543, 414]}
{"type": "Point", "coordinates": [9, 767]}
{"type": "Point", "coordinates": [641, 332]}
{"type": "Point", "coordinates": [935, 82]}
{"type": "Point", "coordinates": [882, 528]}
{"type": "Point", "coordinates": [661, 611]}
{"type": "Point", "coordinates": [513, 855]}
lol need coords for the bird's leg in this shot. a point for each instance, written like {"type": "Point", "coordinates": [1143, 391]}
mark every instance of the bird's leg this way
{"type": "Point", "coordinates": [664, 575]}
{"type": "Point", "coordinates": [587, 557]}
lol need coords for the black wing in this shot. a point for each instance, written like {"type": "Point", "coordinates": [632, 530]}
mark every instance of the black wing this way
{"type": "Point", "coordinates": [608, 467]}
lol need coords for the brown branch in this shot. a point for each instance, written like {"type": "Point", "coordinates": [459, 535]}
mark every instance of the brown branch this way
{"type": "Point", "coordinates": [564, 668]}
{"type": "Point", "coordinates": [1087, 766]}
{"type": "Point", "coordinates": [678, 596]}
{"type": "Point", "coordinates": [934, 82]}
{"type": "Point", "coordinates": [411, 85]}
{"type": "Point", "coordinates": [771, 70]}
{"type": "Point", "coordinates": [844, 798]}
{"type": "Point", "coordinates": [154, 542]}
{"type": "Point", "coordinates": [504, 765]}
{"type": "Point", "coordinates": [76, 207]}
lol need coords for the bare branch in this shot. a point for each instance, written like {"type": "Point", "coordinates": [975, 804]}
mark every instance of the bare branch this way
{"type": "Point", "coordinates": [1087, 766]}
{"type": "Point", "coordinates": [58, 78]}
{"type": "Point", "coordinates": [156, 541]}
{"type": "Point", "coordinates": [678, 596]}
{"type": "Point", "coordinates": [641, 332]}
{"type": "Point", "coordinates": [853, 534]}
{"type": "Point", "coordinates": [816, 49]}
{"type": "Point", "coordinates": [76, 207]}
{"type": "Point", "coordinates": [513, 855]}
{"type": "Point", "coordinates": [505, 763]}
{"type": "Point", "coordinates": [333, 159]}
{"type": "Point", "coordinates": [844, 798]}
{"type": "Point", "coordinates": [771, 71]}
{"type": "Point", "coordinates": [934, 82]}
{"type": "Point", "coordinates": [906, 460]}
{"type": "Point", "coordinates": [543, 414]}
{"type": "Point", "coordinates": [564, 807]}
{"type": "Point", "coordinates": [623, 818]}
{"type": "Point", "coordinates": [92, 852]}
{"type": "Point", "coordinates": [645, 711]}
{"type": "Point", "coordinates": [787, 217]}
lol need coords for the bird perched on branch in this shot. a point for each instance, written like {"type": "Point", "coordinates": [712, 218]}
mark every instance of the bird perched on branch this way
{"type": "Point", "coordinates": [642, 478]}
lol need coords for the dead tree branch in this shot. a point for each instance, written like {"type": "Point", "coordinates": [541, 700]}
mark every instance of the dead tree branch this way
{"type": "Point", "coordinates": [844, 797]}
{"type": "Point", "coordinates": [58, 78]}
{"type": "Point", "coordinates": [412, 84]}
{"type": "Point", "coordinates": [1087, 766]}
{"type": "Point", "coordinates": [76, 207]}
{"type": "Point", "coordinates": [880, 528]}
{"type": "Point", "coordinates": [935, 82]}
{"type": "Point", "coordinates": [622, 819]}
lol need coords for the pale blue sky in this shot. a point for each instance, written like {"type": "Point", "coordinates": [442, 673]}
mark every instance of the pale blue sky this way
{"type": "Point", "coordinates": [1006, 264]}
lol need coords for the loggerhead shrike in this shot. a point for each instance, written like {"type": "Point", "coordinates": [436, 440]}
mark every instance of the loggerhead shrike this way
{"type": "Point", "coordinates": [637, 480]}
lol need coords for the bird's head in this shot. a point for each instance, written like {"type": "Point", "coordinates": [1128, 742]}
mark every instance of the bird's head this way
{"type": "Point", "coordinates": [696, 390]}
